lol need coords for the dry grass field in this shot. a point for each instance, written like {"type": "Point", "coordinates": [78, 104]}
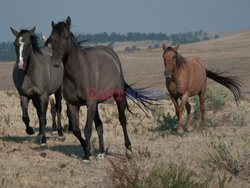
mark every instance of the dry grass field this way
{"type": "Point", "coordinates": [218, 156]}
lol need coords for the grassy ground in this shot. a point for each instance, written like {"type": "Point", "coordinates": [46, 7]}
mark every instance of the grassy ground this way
{"type": "Point", "coordinates": [217, 155]}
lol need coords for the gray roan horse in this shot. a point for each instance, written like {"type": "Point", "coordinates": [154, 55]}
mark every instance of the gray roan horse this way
{"type": "Point", "coordinates": [91, 76]}
{"type": "Point", "coordinates": [36, 78]}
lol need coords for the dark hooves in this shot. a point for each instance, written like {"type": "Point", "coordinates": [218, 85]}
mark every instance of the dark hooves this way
{"type": "Point", "coordinates": [61, 138]}
{"type": "Point", "coordinates": [30, 131]}
{"type": "Point", "coordinates": [44, 146]}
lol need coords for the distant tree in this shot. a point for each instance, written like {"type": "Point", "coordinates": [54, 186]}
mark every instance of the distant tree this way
{"type": "Point", "coordinates": [134, 47]}
{"type": "Point", "coordinates": [216, 36]}
{"type": "Point", "coordinates": [127, 49]}
{"type": "Point", "coordinates": [156, 46]}
{"type": "Point", "coordinates": [205, 38]}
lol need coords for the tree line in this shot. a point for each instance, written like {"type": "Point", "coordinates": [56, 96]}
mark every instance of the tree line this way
{"type": "Point", "coordinates": [7, 50]}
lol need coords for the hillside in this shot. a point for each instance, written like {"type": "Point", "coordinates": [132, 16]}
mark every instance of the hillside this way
{"type": "Point", "coordinates": [145, 67]}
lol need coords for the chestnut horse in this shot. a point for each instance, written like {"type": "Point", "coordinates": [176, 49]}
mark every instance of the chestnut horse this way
{"type": "Point", "coordinates": [186, 77]}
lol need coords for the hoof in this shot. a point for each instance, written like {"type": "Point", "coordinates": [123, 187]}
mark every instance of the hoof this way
{"type": "Point", "coordinates": [30, 131]}
{"type": "Point", "coordinates": [62, 138]}
{"type": "Point", "coordinates": [39, 139]}
{"type": "Point", "coordinates": [129, 153]}
{"type": "Point", "coordinates": [86, 161]}
{"type": "Point", "coordinates": [100, 156]}
{"type": "Point", "coordinates": [180, 131]}
{"type": "Point", "coordinates": [44, 146]}
{"type": "Point", "coordinates": [190, 130]}
{"type": "Point", "coordinates": [53, 133]}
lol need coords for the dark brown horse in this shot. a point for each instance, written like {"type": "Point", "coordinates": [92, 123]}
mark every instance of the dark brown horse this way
{"type": "Point", "coordinates": [91, 76]}
{"type": "Point", "coordinates": [186, 77]}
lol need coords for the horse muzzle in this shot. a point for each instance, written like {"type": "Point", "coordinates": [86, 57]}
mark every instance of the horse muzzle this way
{"type": "Point", "coordinates": [56, 61]}
{"type": "Point", "coordinates": [168, 74]}
{"type": "Point", "coordinates": [21, 65]}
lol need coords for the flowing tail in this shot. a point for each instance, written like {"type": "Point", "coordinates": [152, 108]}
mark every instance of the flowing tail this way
{"type": "Point", "coordinates": [138, 98]}
{"type": "Point", "coordinates": [230, 82]}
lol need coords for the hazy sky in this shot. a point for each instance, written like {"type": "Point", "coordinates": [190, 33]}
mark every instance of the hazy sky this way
{"type": "Point", "coordinates": [122, 16]}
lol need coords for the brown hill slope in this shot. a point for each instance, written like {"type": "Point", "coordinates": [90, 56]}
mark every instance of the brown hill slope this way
{"type": "Point", "coordinates": [145, 67]}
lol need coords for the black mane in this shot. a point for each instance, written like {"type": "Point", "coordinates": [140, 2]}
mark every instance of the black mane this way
{"type": "Point", "coordinates": [60, 28]}
{"type": "Point", "coordinates": [34, 41]}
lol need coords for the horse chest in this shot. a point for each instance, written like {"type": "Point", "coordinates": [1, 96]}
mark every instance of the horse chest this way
{"type": "Point", "coordinates": [175, 88]}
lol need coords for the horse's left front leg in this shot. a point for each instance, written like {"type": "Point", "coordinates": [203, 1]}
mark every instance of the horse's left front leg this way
{"type": "Point", "coordinates": [91, 110]}
{"type": "Point", "coordinates": [184, 100]}
{"type": "Point", "coordinates": [43, 101]}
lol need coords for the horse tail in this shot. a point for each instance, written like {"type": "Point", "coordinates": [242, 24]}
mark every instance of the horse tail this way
{"type": "Point", "coordinates": [230, 82]}
{"type": "Point", "coordinates": [138, 98]}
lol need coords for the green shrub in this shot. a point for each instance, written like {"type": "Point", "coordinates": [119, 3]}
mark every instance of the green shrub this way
{"type": "Point", "coordinates": [174, 176]}
{"type": "Point", "coordinates": [239, 119]}
{"type": "Point", "coordinates": [222, 157]}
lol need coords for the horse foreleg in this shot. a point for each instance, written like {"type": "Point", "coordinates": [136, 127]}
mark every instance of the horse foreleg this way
{"type": "Point", "coordinates": [43, 101]}
{"type": "Point", "coordinates": [24, 105]}
{"type": "Point", "coordinates": [58, 96]}
{"type": "Point", "coordinates": [184, 100]}
{"type": "Point", "coordinates": [91, 110]}
{"type": "Point", "coordinates": [176, 105]}
{"type": "Point", "coordinates": [73, 113]}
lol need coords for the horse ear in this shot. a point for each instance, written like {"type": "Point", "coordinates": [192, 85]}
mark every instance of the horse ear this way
{"type": "Point", "coordinates": [52, 24]}
{"type": "Point", "coordinates": [14, 31]}
{"type": "Point", "coordinates": [164, 47]}
{"type": "Point", "coordinates": [68, 22]}
{"type": "Point", "coordinates": [32, 31]}
{"type": "Point", "coordinates": [176, 48]}
{"type": "Point", "coordinates": [43, 38]}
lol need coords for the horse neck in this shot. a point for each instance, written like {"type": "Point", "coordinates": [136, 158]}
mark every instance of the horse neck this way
{"type": "Point", "coordinates": [69, 61]}
{"type": "Point", "coordinates": [33, 64]}
{"type": "Point", "coordinates": [178, 65]}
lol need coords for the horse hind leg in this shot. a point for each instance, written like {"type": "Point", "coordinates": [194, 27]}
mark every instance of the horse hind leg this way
{"type": "Point", "coordinates": [24, 105]}
{"type": "Point", "coordinates": [188, 108]}
{"type": "Point", "coordinates": [122, 105]}
{"type": "Point", "coordinates": [99, 129]}
{"type": "Point", "coordinates": [202, 97]}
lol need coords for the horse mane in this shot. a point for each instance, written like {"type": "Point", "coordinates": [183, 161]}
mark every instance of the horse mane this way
{"type": "Point", "coordinates": [34, 41]}
{"type": "Point", "coordinates": [180, 61]}
{"type": "Point", "coordinates": [59, 28]}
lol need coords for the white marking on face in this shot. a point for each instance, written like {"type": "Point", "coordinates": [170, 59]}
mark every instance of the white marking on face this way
{"type": "Point", "coordinates": [21, 49]}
